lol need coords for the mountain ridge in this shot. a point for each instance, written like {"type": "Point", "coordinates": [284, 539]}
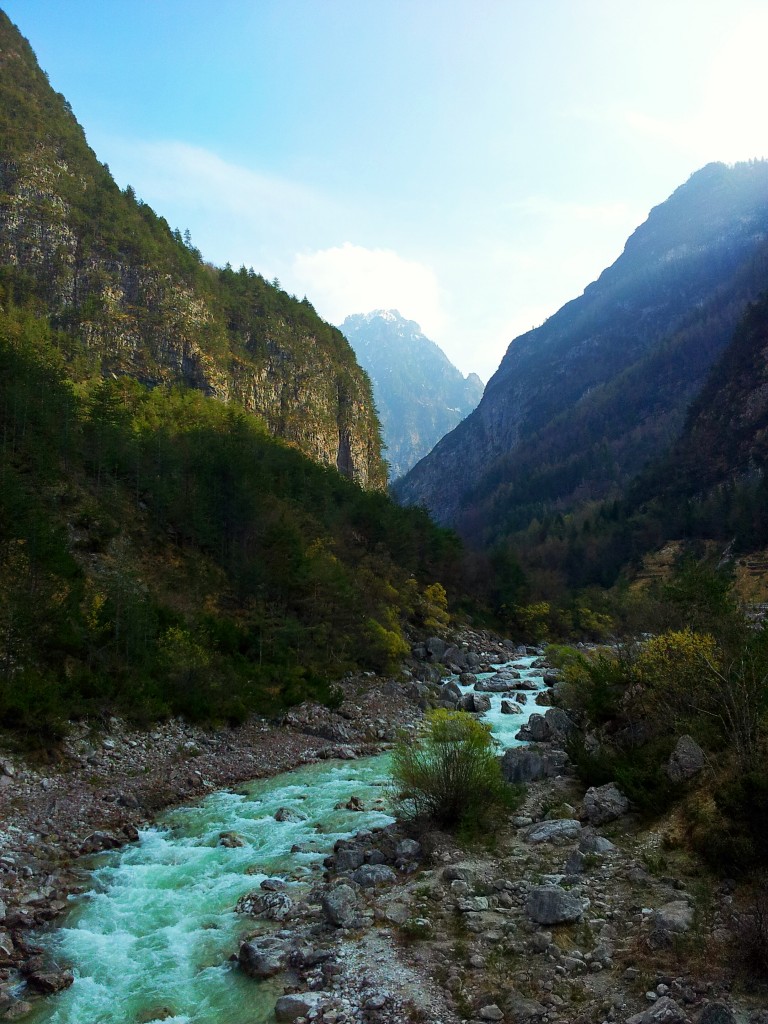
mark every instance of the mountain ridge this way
{"type": "Point", "coordinates": [419, 393]}
{"type": "Point", "coordinates": [136, 299]}
{"type": "Point", "coordinates": [581, 403]}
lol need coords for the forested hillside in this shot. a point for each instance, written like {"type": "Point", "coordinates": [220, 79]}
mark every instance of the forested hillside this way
{"type": "Point", "coordinates": [161, 553]}
{"type": "Point", "coordinates": [138, 300]}
{"type": "Point", "coordinates": [711, 485]}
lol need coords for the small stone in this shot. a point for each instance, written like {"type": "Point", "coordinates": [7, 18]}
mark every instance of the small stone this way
{"type": "Point", "coordinates": [491, 1012]}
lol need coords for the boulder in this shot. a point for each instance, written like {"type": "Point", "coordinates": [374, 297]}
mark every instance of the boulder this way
{"type": "Point", "coordinates": [467, 678]}
{"type": "Point", "coordinates": [560, 725]}
{"type": "Point", "coordinates": [544, 699]}
{"type": "Point", "coordinates": [596, 844]}
{"type": "Point", "coordinates": [604, 803]}
{"type": "Point", "coordinates": [521, 1010]}
{"type": "Point", "coordinates": [288, 814]}
{"type": "Point", "coordinates": [475, 703]}
{"type": "Point", "coordinates": [231, 840]}
{"type": "Point", "coordinates": [262, 958]}
{"type": "Point", "coordinates": [538, 728]}
{"type": "Point", "coordinates": [340, 906]}
{"type": "Point", "coordinates": [663, 1011]}
{"type": "Point", "coordinates": [557, 831]}
{"type": "Point", "coordinates": [96, 842]}
{"type": "Point", "coordinates": [274, 906]}
{"type": "Point", "coordinates": [668, 921]}
{"type": "Point", "coordinates": [349, 860]}
{"type": "Point", "coordinates": [370, 875]}
{"type": "Point", "coordinates": [490, 1013]}
{"type": "Point", "coordinates": [49, 982]}
{"type": "Point", "coordinates": [717, 1013]}
{"type": "Point", "coordinates": [450, 692]}
{"type": "Point", "coordinates": [550, 904]}
{"type": "Point", "coordinates": [686, 760]}
{"type": "Point", "coordinates": [435, 648]}
{"type": "Point", "coordinates": [496, 685]}
{"type": "Point", "coordinates": [272, 884]}
{"type": "Point", "coordinates": [408, 849]}
{"type": "Point", "coordinates": [508, 707]}
{"type": "Point", "coordinates": [521, 764]}
{"type": "Point", "coordinates": [299, 1004]}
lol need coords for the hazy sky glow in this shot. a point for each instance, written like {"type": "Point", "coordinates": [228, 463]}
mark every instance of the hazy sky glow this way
{"type": "Point", "coordinates": [472, 163]}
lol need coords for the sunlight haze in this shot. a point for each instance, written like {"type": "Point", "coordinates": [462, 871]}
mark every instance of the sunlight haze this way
{"type": "Point", "coordinates": [473, 165]}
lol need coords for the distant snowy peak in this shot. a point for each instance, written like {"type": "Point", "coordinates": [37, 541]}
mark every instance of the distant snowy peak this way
{"type": "Point", "coordinates": [391, 315]}
{"type": "Point", "coordinates": [419, 393]}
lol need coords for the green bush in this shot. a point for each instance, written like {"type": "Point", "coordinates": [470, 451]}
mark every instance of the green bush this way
{"type": "Point", "coordinates": [451, 774]}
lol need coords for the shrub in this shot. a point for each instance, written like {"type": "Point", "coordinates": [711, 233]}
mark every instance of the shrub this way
{"type": "Point", "coordinates": [451, 774]}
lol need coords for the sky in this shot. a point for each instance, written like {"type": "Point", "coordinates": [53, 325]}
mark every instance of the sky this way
{"type": "Point", "coordinates": [471, 163]}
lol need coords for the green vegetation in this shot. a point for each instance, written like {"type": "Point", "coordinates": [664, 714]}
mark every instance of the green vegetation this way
{"type": "Point", "coordinates": [451, 774]}
{"type": "Point", "coordinates": [161, 553]}
{"type": "Point", "coordinates": [704, 673]}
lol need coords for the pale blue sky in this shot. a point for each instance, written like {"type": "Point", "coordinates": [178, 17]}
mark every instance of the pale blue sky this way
{"type": "Point", "coordinates": [474, 164]}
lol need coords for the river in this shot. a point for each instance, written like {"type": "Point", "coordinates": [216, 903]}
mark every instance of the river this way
{"type": "Point", "coordinates": [150, 940]}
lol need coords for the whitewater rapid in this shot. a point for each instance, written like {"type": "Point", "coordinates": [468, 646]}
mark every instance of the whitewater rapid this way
{"type": "Point", "coordinates": [151, 939]}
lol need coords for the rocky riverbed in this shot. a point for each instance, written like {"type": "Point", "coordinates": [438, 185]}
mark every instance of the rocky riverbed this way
{"type": "Point", "coordinates": [106, 779]}
{"type": "Point", "coordinates": [578, 912]}
{"type": "Point", "coordinates": [562, 921]}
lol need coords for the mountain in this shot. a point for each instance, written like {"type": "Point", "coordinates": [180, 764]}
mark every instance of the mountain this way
{"type": "Point", "coordinates": [182, 526]}
{"type": "Point", "coordinates": [419, 393]}
{"type": "Point", "coordinates": [580, 404]}
{"type": "Point", "coordinates": [712, 484]}
{"type": "Point", "coordinates": [135, 299]}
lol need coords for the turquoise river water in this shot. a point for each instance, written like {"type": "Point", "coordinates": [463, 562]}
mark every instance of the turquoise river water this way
{"type": "Point", "coordinates": [151, 939]}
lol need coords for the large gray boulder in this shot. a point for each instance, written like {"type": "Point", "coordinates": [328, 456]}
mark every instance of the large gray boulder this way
{"type": "Point", "coordinates": [604, 803]}
{"type": "Point", "coordinates": [263, 958]}
{"type": "Point", "coordinates": [349, 859]}
{"type": "Point", "coordinates": [435, 648]}
{"type": "Point", "coordinates": [274, 906]}
{"type": "Point", "coordinates": [538, 728]}
{"type": "Point", "coordinates": [521, 764]}
{"type": "Point", "coordinates": [299, 1004]}
{"type": "Point", "coordinates": [508, 707]}
{"type": "Point", "coordinates": [686, 760]}
{"type": "Point", "coordinates": [450, 692]}
{"type": "Point", "coordinates": [550, 904]}
{"type": "Point", "coordinates": [560, 725]}
{"type": "Point", "coordinates": [495, 685]}
{"type": "Point", "coordinates": [340, 906]}
{"type": "Point", "coordinates": [663, 1011]}
{"type": "Point", "coordinates": [558, 831]}
{"type": "Point", "coordinates": [669, 921]}
{"type": "Point", "coordinates": [596, 844]}
{"type": "Point", "coordinates": [370, 875]}
{"type": "Point", "coordinates": [476, 703]}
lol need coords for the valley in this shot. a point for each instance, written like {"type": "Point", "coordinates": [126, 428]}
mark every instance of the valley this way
{"type": "Point", "coordinates": [335, 687]}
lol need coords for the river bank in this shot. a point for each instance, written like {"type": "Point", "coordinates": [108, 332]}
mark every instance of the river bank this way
{"type": "Point", "coordinates": [104, 782]}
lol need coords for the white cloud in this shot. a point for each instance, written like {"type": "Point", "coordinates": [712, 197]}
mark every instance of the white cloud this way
{"type": "Point", "coordinates": [349, 278]}
{"type": "Point", "coordinates": [235, 214]}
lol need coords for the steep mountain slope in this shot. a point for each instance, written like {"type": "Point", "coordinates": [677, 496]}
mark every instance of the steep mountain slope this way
{"type": "Point", "coordinates": [581, 403]}
{"type": "Point", "coordinates": [419, 393]}
{"type": "Point", "coordinates": [161, 553]}
{"type": "Point", "coordinates": [136, 300]}
{"type": "Point", "coordinates": [712, 484]}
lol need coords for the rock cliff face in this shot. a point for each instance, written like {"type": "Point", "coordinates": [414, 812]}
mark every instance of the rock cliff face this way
{"type": "Point", "coordinates": [130, 297]}
{"type": "Point", "coordinates": [581, 403]}
{"type": "Point", "coordinates": [419, 393]}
